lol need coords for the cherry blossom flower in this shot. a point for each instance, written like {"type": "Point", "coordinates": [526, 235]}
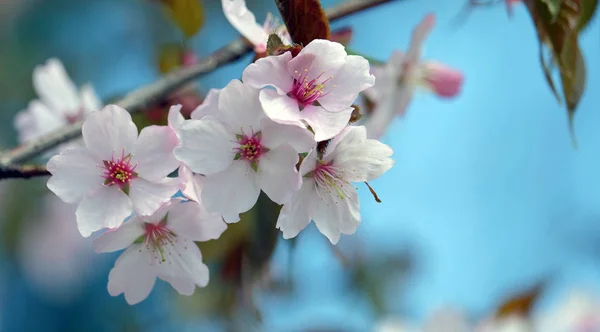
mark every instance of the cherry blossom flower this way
{"type": "Point", "coordinates": [317, 87]}
{"type": "Point", "coordinates": [160, 246]}
{"type": "Point", "coordinates": [245, 23]}
{"type": "Point", "coordinates": [393, 324]}
{"type": "Point", "coordinates": [116, 172]}
{"type": "Point", "coordinates": [579, 311]}
{"type": "Point", "coordinates": [402, 74]}
{"type": "Point", "coordinates": [241, 151]}
{"type": "Point", "coordinates": [447, 319]}
{"type": "Point", "coordinates": [327, 195]}
{"type": "Point", "coordinates": [60, 103]}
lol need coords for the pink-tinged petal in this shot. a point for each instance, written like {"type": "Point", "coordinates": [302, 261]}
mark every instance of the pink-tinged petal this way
{"type": "Point", "coordinates": [270, 71]}
{"type": "Point", "coordinates": [132, 275]}
{"type": "Point", "coordinates": [190, 219]}
{"type": "Point", "coordinates": [325, 124]}
{"type": "Point", "coordinates": [153, 153]}
{"type": "Point", "coordinates": [295, 214]}
{"type": "Point", "coordinates": [244, 21]}
{"type": "Point", "coordinates": [240, 107]}
{"type": "Point", "coordinates": [106, 208]}
{"type": "Point", "coordinates": [353, 78]}
{"type": "Point", "coordinates": [37, 120]}
{"type": "Point", "coordinates": [240, 179]}
{"type": "Point", "coordinates": [319, 56]}
{"type": "Point", "coordinates": [55, 88]}
{"type": "Point", "coordinates": [361, 159]}
{"type": "Point", "coordinates": [175, 118]}
{"type": "Point", "coordinates": [420, 32]}
{"type": "Point", "coordinates": [209, 106]}
{"type": "Point", "coordinates": [147, 196]}
{"type": "Point", "coordinates": [74, 174]}
{"type": "Point", "coordinates": [89, 99]}
{"type": "Point", "coordinates": [394, 102]}
{"type": "Point", "coordinates": [190, 183]}
{"type": "Point", "coordinates": [206, 146]}
{"type": "Point", "coordinates": [334, 215]}
{"type": "Point", "coordinates": [277, 174]}
{"type": "Point", "coordinates": [381, 117]}
{"type": "Point", "coordinates": [443, 80]}
{"type": "Point", "coordinates": [119, 238]}
{"type": "Point", "coordinates": [276, 134]}
{"type": "Point", "coordinates": [108, 132]}
{"type": "Point", "coordinates": [281, 109]}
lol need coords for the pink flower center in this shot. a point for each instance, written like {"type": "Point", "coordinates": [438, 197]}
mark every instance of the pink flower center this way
{"type": "Point", "coordinates": [250, 148]}
{"type": "Point", "coordinates": [307, 91]}
{"type": "Point", "coordinates": [160, 239]}
{"type": "Point", "coordinates": [119, 171]}
{"type": "Point", "coordinates": [329, 177]}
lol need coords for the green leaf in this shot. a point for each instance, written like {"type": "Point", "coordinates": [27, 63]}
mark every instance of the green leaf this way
{"type": "Point", "coordinates": [553, 7]}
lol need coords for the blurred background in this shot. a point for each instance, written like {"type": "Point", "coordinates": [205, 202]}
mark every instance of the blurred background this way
{"type": "Point", "coordinates": [488, 198]}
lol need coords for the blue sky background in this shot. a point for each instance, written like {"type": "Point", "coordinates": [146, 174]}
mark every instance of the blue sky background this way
{"type": "Point", "coordinates": [487, 190]}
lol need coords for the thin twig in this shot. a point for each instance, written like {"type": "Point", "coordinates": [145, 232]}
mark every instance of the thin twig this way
{"type": "Point", "coordinates": [145, 96]}
{"type": "Point", "coordinates": [22, 172]}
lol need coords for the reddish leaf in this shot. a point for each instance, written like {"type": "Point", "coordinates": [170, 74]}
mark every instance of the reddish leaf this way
{"type": "Point", "coordinates": [304, 19]}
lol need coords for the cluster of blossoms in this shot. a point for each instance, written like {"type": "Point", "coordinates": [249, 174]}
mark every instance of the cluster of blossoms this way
{"type": "Point", "coordinates": [284, 129]}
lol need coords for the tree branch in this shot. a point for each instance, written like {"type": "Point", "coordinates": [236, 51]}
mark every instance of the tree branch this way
{"type": "Point", "coordinates": [146, 96]}
{"type": "Point", "coordinates": [22, 172]}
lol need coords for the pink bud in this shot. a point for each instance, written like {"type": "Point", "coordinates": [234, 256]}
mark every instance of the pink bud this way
{"type": "Point", "coordinates": [444, 81]}
{"type": "Point", "coordinates": [189, 58]}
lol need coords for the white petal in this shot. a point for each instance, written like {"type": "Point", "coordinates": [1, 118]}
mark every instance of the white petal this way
{"type": "Point", "coordinates": [74, 174]}
{"type": "Point", "coordinates": [190, 219]}
{"type": "Point", "coordinates": [295, 215]}
{"type": "Point", "coordinates": [239, 106]}
{"type": "Point", "coordinates": [309, 163]}
{"type": "Point", "coordinates": [361, 159]}
{"type": "Point", "coordinates": [109, 132]}
{"type": "Point", "coordinates": [209, 106]}
{"type": "Point", "coordinates": [277, 173]}
{"type": "Point", "coordinates": [153, 152]}
{"type": "Point", "coordinates": [89, 99]}
{"type": "Point", "coordinates": [319, 56]}
{"type": "Point", "coordinates": [334, 215]}
{"type": "Point", "coordinates": [186, 264]}
{"type": "Point", "coordinates": [55, 88]}
{"type": "Point", "coordinates": [132, 275]}
{"type": "Point", "coordinates": [244, 21]}
{"type": "Point", "coordinates": [175, 118]}
{"type": "Point", "coordinates": [276, 134]}
{"type": "Point", "coordinates": [106, 208]}
{"type": "Point", "coordinates": [353, 78]}
{"type": "Point", "coordinates": [325, 124]}
{"type": "Point", "coordinates": [147, 196]}
{"type": "Point", "coordinates": [37, 120]}
{"type": "Point", "coordinates": [190, 183]}
{"type": "Point", "coordinates": [281, 109]}
{"type": "Point", "coordinates": [419, 33]}
{"type": "Point", "coordinates": [240, 179]}
{"type": "Point", "coordinates": [270, 71]}
{"type": "Point", "coordinates": [121, 237]}
{"type": "Point", "coordinates": [206, 146]}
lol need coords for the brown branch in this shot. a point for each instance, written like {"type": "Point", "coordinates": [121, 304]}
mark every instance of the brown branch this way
{"type": "Point", "coordinates": [22, 172]}
{"type": "Point", "coordinates": [145, 96]}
